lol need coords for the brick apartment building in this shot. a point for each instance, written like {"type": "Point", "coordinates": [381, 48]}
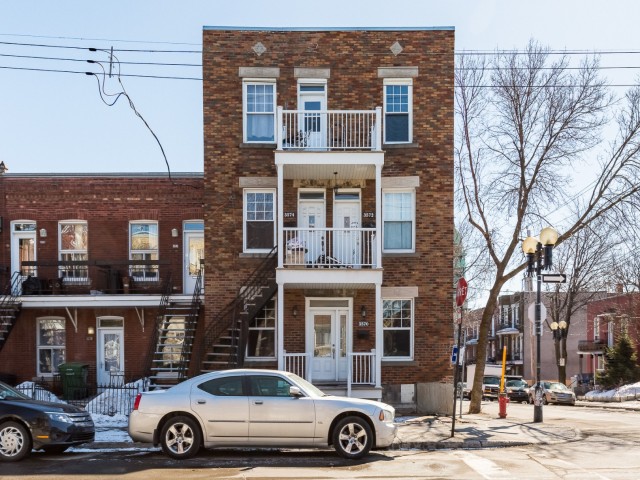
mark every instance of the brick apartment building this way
{"type": "Point", "coordinates": [336, 145]}
{"type": "Point", "coordinates": [89, 258]}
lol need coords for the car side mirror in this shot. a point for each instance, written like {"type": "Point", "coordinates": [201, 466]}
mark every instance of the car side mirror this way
{"type": "Point", "coordinates": [295, 391]}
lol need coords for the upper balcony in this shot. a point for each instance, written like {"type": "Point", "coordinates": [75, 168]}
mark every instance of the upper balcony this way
{"type": "Point", "coordinates": [329, 130]}
{"type": "Point", "coordinates": [592, 346]}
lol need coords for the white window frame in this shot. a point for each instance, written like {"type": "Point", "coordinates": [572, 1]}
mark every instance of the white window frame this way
{"type": "Point", "coordinates": [269, 329]}
{"type": "Point", "coordinates": [40, 347]}
{"type": "Point", "coordinates": [410, 328]}
{"type": "Point", "coordinates": [146, 273]}
{"type": "Point", "coordinates": [245, 110]}
{"type": "Point", "coordinates": [610, 334]}
{"type": "Point", "coordinates": [596, 329]}
{"type": "Point", "coordinates": [73, 274]}
{"type": "Point", "coordinates": [245, 212]}
{"type": "Point", "coordinates": [412, 193]}
{"type": "Point", "coordinates": [390, 82]}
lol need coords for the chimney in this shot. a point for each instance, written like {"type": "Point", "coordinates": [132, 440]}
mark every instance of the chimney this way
{"type": "Point", "coordinates": [619, 288]}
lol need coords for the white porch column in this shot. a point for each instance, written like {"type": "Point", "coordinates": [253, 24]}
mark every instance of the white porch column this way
{"type": "Point", "coordinates": [379, 339]}
{"type": "Point", "coordinates": [379, 224]}
{"type": "Point", "coordinates": [280, 210]}
{"type": "Point", "coordinates": [280, 326]}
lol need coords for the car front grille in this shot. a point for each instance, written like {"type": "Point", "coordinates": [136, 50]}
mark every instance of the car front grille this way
{"type": "Point", "coordinates": [82, 437]}
{"type": "Point", "coordinates": [81, 419]}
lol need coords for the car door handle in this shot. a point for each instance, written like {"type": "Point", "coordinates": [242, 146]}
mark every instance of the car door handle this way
{"type": "Point", "coordinates": [201, 401]}
{"type": "Point", "coordinates": [258, 402]}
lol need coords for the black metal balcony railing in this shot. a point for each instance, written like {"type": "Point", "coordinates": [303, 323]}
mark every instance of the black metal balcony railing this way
{"type": "Point", "coordinates": [591, 345]}
{"type": "Point", "coordinates": [74, 277]}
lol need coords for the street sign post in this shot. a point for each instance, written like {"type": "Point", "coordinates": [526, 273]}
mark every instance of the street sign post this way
{"type": "Point", "coordinates": [454, 355]}
{"type": "Point", "coordinates": [554, 278]}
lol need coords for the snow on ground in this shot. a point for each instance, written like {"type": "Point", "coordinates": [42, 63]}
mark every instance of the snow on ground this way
{"type": "Point", "coordinates": [622, 394]}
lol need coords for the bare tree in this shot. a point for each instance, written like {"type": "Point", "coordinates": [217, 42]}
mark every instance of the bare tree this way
{"type": "Point", "coordinates": [584, 259]}
{"type": "Point", "coordinates": [525, 120]}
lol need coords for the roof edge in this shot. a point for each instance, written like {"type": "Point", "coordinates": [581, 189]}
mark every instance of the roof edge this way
{"type": "Point", "coordinates": [326, 29]}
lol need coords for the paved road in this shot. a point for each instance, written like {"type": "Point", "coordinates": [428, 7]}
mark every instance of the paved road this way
{"type": "Point", "coordinates": [608, 448]}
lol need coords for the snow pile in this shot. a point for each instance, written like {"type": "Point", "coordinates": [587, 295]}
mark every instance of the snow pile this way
{"type": "Point", "coordinates": [116, 401]}
{"type": "Point", "coordinates": [622, 394]}
{"type": "Point", "coordinates": [32, 390]}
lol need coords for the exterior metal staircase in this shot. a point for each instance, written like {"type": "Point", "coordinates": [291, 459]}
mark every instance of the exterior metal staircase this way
{"type": "Point", "coordinates": [9, 307]}
{"type": "Point", "coordinates": [175, 330]}
{"type": "Point", "coordinates": [224, 342]}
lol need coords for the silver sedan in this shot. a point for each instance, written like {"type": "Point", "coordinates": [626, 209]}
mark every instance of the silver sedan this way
{"type": "Point", "coordinates": [258, 408]}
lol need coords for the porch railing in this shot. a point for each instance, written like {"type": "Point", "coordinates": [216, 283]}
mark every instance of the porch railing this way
{"type": "Point", "coordinates": [296, 363]}
{"type": "Point", "coordinates": [362, 369]}
{"type": "Point", "coordinates": [330, 247]}
{"type": "Point", "coordinates": [329, 129]}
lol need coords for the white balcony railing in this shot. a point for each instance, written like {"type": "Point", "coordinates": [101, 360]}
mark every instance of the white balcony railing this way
{"type": "Point", "coordinates": [330, 247]}
{"type": "Point", "coordinates": [296, 363]}
{"type": "Point", "coordinates": [329, 129]}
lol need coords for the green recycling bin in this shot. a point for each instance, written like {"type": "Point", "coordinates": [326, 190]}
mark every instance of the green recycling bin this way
{"type": "Point", "coordinates": [73, 376]}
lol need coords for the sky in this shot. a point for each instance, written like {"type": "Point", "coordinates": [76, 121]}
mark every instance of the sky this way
{"type": "Point", "coordinates": [54, 122]}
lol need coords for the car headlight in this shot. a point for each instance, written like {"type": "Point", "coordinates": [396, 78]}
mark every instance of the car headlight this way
{"type": "Point", "coordinates": [385, 416]}
{"type": "Point", "coordinates": [59, 417]}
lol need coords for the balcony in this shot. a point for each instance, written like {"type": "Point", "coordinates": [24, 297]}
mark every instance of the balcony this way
{"type": "Point", "coordinates": [93, 277]}
{"type": "Point", "coordinates": [329, 130]}
{"type": "Point", "coordinates": [591, 346]}
{"type": "Point", "coordinates": [330, 248]}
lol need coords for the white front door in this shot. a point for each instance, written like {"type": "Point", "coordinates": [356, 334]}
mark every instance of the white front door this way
{"type": "Point", "coordinates": [110, 354]}
{"type": "Point", "coordinates": [23, 248]}
{"type": "Point", "coordinates": [312, 98]}
{"type": "Point", "coordinates": [346, 223]}
{"type": "Point", "coordinates": [311, 208]}
{"type": "Point", "coordinates": [193, 254]}
{"type": "Point", "coordinates": [330, 344]}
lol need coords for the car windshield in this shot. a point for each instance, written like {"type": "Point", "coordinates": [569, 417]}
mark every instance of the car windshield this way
{"type": "Point", "coordinates": [558, 386]}
{"type": "Point", "coordinates": [517, 383]}
{"type": "Point", "coordinates": [7, 392]}
{"type": "Point", "coordinates": [491, 380]}
{"type": "Point", "coordinates": [308, 387]}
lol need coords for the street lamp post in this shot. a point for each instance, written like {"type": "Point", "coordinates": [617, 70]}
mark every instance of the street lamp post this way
{"type": "Point", "coordinates": [539, 257]}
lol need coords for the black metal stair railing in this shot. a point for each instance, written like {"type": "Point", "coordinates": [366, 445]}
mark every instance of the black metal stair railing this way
{"type": "Point", "coordinates": [9, 306]}
{"type": "Point", "coordinates": [235, 317]}
{"type": "Point", "coordinates": [191, 324]}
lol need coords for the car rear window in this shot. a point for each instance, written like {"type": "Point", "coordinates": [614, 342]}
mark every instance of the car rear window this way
{"type": "Point", "coordinates": [224, 387]}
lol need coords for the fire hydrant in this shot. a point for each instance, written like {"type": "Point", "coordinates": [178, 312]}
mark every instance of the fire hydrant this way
{"type": "Point", "coordinates": [502, 404]}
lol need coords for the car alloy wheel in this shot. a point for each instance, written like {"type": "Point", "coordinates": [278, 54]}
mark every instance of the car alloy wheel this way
{"type": "Point", "coordinates": [180, 438]}
{"type": "Point", "coordinates": [352, 437]}
{"type": "Point", "coordinates": [15, 442]}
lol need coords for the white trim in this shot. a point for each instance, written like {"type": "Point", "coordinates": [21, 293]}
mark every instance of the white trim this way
{"type": "Point", "coordinates": [49, 347]}
{"type": "Point", "coordinates": [411, 331]}
{"type": "Point", "coordinates": [398, 72]}
{"type": "Point", "coordinates": [408, 82]}
{"type": "Point", "coordinates": [257, 81]}
{"type": "Point", "coordinates": [412, 192]}
{"type": "Point", "coordinates": [246, 191]}
{"type": "Point", "coordinates": [412, 181]}
{"type": "Point", "coordinates": [259, 73]}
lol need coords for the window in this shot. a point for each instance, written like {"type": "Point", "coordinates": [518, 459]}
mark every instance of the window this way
{"type": "Point", "coordinates": [143, 247]}
{"type": "Point", "coordinates": [397, 328]}
{"type": "Point", "coordinates": [398, 213]}
{"type": "Point", "coordinates": [600, 363]}
{"type": "Point", "coordinates": [268, 386]}
{"type": "Point", "coordinates": [596, 328]}
{"type": "Point", "coordinates": [259, 223]}
{"type": "Point", "coordinates": [259, 99]}
{"type": "Point", "coordinates": [224, 387]}
{"type": "Point", "coordinates": [51, 344]}
{"type": "Point", "coordinates": [73, 242]}
{"type": "Point", "coordinates": [610, 340]}
{"type": "Point", "coordinates": [398, 111]}
{"type": "Point", "coordinates": [262, 332]}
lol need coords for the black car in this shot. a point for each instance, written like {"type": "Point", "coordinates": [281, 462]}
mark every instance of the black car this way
{"type": "Point", "coordinates": [517, 390]}
{"type": "Point", "coordinates": [27, 424]}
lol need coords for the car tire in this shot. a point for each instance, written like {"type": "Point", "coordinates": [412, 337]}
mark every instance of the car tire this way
{"type": "Point", "coordinates": [15, 442]}
{"type": "Point", "coordinates": [180, 438]}
{"type": "Point", "coordinates": [55, 449]}
{"type": "Point", "coordinates": [352, 438]}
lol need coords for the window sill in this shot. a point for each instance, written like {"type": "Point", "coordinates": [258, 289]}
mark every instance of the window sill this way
{"type": "Point", "coordinates": [393, 146]}
{"type": "Point", "coordinates": [266, 146]}
{"type": "Point", "coordinates": [253, 255]}
{"type": "Point", "coordinates": [399, 363]}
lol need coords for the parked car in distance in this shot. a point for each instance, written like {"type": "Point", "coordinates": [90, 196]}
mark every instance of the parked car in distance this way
{"type": "Point", "coordinates": [491, 385]}
{"type": "Point", "coordinates": [517, 390]}
{"type": "Point", "coordinates": [27, 424]}
{"type": "Point", "coordinates": [553, 392]}
{"type": "Point", "coordinates": [258, 408]}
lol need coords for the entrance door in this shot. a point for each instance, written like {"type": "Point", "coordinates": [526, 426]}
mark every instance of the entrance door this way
{"type": "Point", "coordinates": [110, 355]}
{"type": "Point", "coordinates": [330, 344]}
{"type": "Point", "coordinates": [23, 248]}
{"type": "Point", "coordinates": [193, 254]}
{"type": "Point", "coordinates": [311, 208]}
{"type": "Point", "coordinates": [346, 221]}
{"type": "Point", "coordinates": [313, 98]}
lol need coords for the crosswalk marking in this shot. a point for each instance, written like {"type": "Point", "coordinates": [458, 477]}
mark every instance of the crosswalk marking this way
{"type": "Point", "coordinates": [482, 466]}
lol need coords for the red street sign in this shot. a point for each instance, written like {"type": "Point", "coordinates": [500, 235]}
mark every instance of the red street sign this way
{"type": "Point", "coordinates": [461, 292]}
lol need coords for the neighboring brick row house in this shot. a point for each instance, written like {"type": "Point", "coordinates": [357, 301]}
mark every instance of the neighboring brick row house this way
{"type": "Point", "coordinates": [325, 211]}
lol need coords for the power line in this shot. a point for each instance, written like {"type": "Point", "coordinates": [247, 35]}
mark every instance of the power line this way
{"type": "Point", "coordinates": [49, 70]}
